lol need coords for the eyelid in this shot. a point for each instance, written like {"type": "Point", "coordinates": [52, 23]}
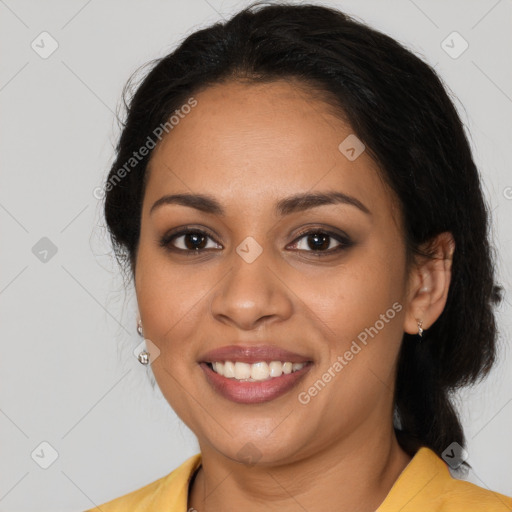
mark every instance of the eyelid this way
{"type": "Point", "coordinates": [313, 228]}
{"type": "Point", "coordinates": [191, 228]}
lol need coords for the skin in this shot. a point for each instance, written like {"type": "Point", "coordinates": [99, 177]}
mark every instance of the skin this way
{"type": "Point", "coordinates": [249, 146]}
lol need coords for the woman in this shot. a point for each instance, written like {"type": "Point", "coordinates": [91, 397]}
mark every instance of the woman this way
{"type": "Point", "coordinates": [297, 204]}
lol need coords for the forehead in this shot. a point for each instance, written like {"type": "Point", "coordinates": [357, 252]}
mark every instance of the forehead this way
{"type": "Point", "coordinates": [257, 142]}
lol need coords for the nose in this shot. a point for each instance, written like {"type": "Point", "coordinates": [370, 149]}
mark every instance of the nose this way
{"type": "Point", "coordinates": [251, 294]}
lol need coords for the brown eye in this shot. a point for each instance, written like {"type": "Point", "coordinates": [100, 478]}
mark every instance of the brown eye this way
{"type": "Point", "coordinates": [318, 241]}
{"type": "Point", "coordinates": [188, 241]}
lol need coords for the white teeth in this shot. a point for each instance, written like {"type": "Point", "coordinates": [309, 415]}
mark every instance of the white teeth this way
{"type": "Point", "coordinates": [260, 371]}
{"type": "Point", "coordinates": [276, 369]}
{"type": "Point", "coordinates": [254, 372]}
{"type": "Point", "coordinates": [242, 370]}
{"type": "Point", "coordinates": [229, 370]}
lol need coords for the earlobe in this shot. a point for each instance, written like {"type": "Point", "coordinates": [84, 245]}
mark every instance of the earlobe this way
{"type": "Point", "coordinates": [430, 283]}
{"type": "Point", "coordinates": [419, 300]}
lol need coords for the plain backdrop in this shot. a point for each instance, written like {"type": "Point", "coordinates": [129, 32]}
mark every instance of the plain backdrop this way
{"type": "Point", "coordinates": [68, 378]}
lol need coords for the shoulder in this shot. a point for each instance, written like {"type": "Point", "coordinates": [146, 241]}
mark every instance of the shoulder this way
{"type": "Point", "coordinates": [167, 493]}
{"type": "Point", "coordinates": [468, 497]}
{"type": "Point", "coordinates": [426, 485]}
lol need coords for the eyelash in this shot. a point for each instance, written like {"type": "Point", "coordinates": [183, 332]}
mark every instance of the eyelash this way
{"type": "Point", "coordinates": [344, 240]}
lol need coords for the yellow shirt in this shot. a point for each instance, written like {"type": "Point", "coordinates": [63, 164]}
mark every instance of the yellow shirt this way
{"type": "Point", "coordinates": [425, 485]}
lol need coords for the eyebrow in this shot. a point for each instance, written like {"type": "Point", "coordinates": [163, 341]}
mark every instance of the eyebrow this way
{"type": "Point", "coordinates": [292, 204]}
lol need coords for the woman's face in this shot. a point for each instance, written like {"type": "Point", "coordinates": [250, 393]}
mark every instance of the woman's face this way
{"type": "Point", "coordinates": [323, 280]}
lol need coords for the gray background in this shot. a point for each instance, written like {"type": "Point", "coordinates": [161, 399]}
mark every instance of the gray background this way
{"type": "Point", "coordinates": [67, 372]}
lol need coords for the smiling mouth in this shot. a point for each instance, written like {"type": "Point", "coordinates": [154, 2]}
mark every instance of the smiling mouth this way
{"type": "Point", "coordinates": [255, 372]}
{"type": "Point", "coordinates": [252, 374]}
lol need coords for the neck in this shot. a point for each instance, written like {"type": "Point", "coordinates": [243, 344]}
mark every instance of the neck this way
{"type": "Point", "coordinates": [353, 474]}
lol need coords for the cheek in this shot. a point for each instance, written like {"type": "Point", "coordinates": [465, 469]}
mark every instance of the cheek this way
{"type": "Point", "coordinates": [361, 312]}
{"type": "Point", "coordinates": [353, 296]}
{"type": "Point", "coordinates": [169, 299]}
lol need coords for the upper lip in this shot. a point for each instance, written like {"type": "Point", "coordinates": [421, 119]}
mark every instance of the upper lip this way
{"type": "Point", "coordinates": [252, 354]}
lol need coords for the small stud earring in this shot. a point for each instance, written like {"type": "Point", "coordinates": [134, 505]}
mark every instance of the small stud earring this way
{"type": "Point", "coordinates": [420, 330]}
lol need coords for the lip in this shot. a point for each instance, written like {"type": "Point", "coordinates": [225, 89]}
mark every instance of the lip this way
{"type": "Point", "coordinates": [252, 354]}
{"type": "Point", "coordinates": [253, 392]}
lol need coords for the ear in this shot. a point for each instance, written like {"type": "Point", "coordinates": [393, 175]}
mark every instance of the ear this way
{"type": "Point", "coordinates": [428, 284]}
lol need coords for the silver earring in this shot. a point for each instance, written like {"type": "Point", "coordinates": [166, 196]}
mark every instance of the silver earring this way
{"type": "Point", "coordinates": [143, 356]}
{"type": "Point", "coordinates": [420, 330]}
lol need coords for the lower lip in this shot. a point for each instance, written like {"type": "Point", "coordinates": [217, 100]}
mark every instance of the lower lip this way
{"type": "Point", "coordinates": [253, 392]}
